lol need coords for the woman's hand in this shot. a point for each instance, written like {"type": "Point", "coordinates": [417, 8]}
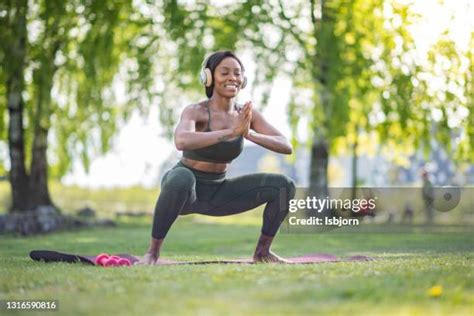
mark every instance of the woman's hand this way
{"type": "Point", "coordinates": [244, 118]}
{"type": "Point", "coordinates": [265, 135]}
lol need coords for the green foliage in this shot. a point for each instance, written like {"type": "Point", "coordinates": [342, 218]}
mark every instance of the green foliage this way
{"type": "Point", "coordinates": [353, 64]}
{"type": "Point", "coordinates": [359, 66]}
{"type": "Point", "coordinates": [102, 42]}
{"type": "Point", "coordinates": [75, 51]}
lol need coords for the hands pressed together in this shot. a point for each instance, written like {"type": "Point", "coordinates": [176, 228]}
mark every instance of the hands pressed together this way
{"type": "Point", "coordinates": [244, 118]}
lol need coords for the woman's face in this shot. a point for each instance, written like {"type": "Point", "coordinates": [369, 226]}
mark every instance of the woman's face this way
{"type": "Point", "coordinates": [228, 78]}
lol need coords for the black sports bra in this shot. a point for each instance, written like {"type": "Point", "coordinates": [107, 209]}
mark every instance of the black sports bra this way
{"type": "Point", "coordinates": [222, 152]}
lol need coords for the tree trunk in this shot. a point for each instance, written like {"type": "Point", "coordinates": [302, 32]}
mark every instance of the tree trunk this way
{"type": "Point", "coordinates": [39, 170]}
{"type": "Point", "coordinates": [354, 163]}
{"type": "Point", "coordinates": [320, 74]}
{"type": "Point", "coordinates": [319, 168]}
{"type": "Point", "coordinates": [322, 30]}
{"type": "Point", "coordinates": [39, 162]}
{"type": "Point", "coordinates": [43, 80]}
{"type": "Point", "coordinates": [14, 69]}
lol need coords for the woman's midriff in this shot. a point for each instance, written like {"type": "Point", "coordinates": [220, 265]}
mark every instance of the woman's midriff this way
{"type": "Point", "coordinates": [205, 166]}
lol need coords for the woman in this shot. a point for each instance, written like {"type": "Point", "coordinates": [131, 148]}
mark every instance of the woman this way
{"type": "Point", "coordinates": [210, 134]}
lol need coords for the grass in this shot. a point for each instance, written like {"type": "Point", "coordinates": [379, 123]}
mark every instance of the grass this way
{"type": "Point", "coordinates": [103, 200]}
{"type": "Point", "coordinates": [396, 284]}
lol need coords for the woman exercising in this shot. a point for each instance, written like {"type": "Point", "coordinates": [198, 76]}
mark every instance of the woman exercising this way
{"type": "Point", "coordinates": [210, 134]}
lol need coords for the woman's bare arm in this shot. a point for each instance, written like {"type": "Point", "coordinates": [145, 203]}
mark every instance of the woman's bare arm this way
{"type": "Point", "coordinates": [265, 135]}
{"type": "Point", "coordinates": [186, 137]}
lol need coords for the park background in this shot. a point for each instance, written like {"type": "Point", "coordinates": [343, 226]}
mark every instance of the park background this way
{"type": "Point", "coordinates": [369, 92]}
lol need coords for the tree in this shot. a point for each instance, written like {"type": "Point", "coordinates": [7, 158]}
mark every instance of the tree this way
{"type": "Point", "coordinates": [356, 61]}
{"type": "Point", "coordinates": [423, 98]}
{"type": "Point", "coordinates": [70, 55]}
{"type": "Point", "coordinates": [335, 49]}
{"type": "Point", "coordinates": [13, 26]}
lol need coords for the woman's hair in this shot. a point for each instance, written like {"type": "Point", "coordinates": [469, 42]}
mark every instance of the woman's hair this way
{"type": "Point", "coordinates": [213, 61]}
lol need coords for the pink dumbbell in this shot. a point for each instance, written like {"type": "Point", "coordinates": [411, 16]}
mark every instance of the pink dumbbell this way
{"type": "Point", "coordinates": [124, 262]}
{"type": "Point", "coordinates": [101, 259]}
{"type": "Point", "coordinates": [106, 260]}
{"type": "Point", "coordinates": [111, 262]}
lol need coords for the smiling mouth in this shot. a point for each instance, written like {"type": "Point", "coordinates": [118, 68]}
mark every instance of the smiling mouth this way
{"type": "Point", "coordinates": [234, 86]}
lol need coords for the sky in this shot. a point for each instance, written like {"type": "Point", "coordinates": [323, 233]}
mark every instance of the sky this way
{"type": "Point", "coordinates": [139, 149]}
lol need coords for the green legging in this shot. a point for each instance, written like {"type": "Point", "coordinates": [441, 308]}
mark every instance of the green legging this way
{"type": "Point", "coordinates": [185, 190]}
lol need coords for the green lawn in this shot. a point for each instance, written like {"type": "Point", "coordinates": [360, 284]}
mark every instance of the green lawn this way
{"type": "Point", "coordinates": [396, 284]}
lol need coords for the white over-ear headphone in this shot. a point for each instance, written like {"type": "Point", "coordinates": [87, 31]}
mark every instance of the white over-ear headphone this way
{"type": "Point", "coordinates": [205, 77]}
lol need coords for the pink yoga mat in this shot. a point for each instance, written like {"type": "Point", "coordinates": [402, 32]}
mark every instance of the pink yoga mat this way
{"type": "Point", "coordinates": [55, 256]}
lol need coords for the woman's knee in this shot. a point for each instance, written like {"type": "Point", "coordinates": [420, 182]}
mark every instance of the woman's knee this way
{"type": "Point", "coordinates": [285, 183]}
{"type": "Point", "coordinates": [290, 186]}
{"type": "Point", "coordinates": [282, 184]}
{"type": "Point", "coordinates": [179, 180]}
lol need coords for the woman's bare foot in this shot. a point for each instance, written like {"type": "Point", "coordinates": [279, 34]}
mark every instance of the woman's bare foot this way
{"type": "Point", "coordinates": [152, 254]}
{"type": "Point", "coordinates": [263, 253]}
{"type": "Point", "coordinates": [148, 259]}
{"type": "Point", "coordinates": [269, 257]}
